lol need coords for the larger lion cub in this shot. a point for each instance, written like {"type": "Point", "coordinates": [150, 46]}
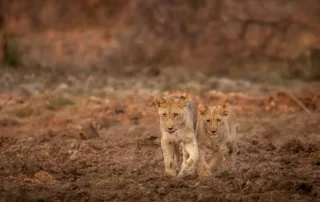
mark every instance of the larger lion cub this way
{"type": "Point", "coordinates": [178, 119]}
{"type": "Point", "coordinates": [216, 133]}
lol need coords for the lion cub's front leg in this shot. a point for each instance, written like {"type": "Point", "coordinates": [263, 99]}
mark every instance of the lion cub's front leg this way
{"type": "Point", "coordinates": [190, 158]}
{"type": "Point", "coordinates": [170, 157]}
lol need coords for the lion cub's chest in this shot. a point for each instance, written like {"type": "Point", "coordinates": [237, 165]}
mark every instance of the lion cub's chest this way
{"type": "Point", "coordinates": [215, 141]}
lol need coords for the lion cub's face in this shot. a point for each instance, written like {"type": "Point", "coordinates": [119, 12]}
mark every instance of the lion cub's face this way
{"type": "Point", "coordinates": [171, 112]}
{"type": "Point", "coordinates": [213, 117]}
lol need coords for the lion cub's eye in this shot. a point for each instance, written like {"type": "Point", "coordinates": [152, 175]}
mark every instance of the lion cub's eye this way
{"type": "Point", "coordinates": [164, 114]}
{"type": "Point", "coordinates": [208, 120]}
{"type": "Point", "coordinates": [175, 115]}
{"type": "Point", "coordinates": [218, 120]}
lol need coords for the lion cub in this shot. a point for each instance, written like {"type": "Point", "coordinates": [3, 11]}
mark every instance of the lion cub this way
{"type": "Point", "coordinates": [216, 134]}
{"type": "Point", "coordinates": [178, 119]}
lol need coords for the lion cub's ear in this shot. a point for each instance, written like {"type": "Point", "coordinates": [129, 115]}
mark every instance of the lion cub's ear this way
{"type": "Point", "coordinates": [184, 95]}
{"type": "Point", "coordinates": [159, 101]}
{"type": "Point", "coordinates": [226, 109]}
{"type": "Point", "coordinates": [203, 109]}
{"type": "Point", "coordinates": [184, 100]}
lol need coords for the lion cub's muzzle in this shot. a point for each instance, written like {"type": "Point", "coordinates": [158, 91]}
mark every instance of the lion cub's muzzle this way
{"type": "Point", "coordinates": [171, 130]}
{"type": "Point", "coordinates": [213, 133]}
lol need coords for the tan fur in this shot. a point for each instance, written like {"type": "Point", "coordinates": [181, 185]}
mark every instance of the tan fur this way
{"type": "Point", "coordinates": [178, 125]}
{"type": "Point", "coordinates": [216, 135]}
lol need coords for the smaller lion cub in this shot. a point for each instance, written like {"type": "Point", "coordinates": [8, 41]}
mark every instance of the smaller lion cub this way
{"type": "Point", "coordinates": [216, 134]}
{"type": "Point", "coordinates": [178, 117]}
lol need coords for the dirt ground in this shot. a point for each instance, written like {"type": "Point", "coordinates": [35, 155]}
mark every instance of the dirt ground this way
{"type": "Point", "coordinates": [93, 137]}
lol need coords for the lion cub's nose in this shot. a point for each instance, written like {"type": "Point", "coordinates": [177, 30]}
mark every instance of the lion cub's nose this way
{"type": "Point", "coordinates": [213, 131]}
{"type": "Point", "coordinates": [171, 128]}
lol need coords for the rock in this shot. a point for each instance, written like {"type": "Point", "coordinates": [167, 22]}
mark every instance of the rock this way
{"type": "Point", "coordinates": [108, 89]}
{"type": "Point", "coordinates": [119, 110]}
{"type": "Point", "coordinates": [62, 87]}
{"type": "Point", "coordinates": [95, 99]}
{"type": "Point", "coordinates": [162, 190]}
{"type": "Point", "coordinates": [31, 89]}
{"type": "Point", "coordinates": [44, 176]}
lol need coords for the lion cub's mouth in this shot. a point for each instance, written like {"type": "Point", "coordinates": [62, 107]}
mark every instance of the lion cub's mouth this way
{"type": "Point", "coordinates": [171, 131]}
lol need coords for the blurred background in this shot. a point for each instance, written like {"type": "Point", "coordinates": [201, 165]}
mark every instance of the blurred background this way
{"type": "Point", "coordinates": [269, 40]}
